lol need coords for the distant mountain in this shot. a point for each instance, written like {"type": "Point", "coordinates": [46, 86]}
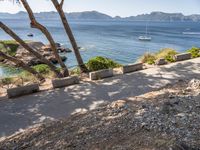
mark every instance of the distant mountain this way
{"type": "Point", "coordinates": [94, 15]}
{"type": "Point", "coordinates": [161, 16]}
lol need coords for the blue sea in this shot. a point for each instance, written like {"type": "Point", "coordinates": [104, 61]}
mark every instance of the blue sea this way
{"type": "Point", "coordinates": [117, 40]}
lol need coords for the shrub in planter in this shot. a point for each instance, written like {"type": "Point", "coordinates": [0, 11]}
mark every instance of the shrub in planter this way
{"type": "Point", "coordinates": [99, 63]}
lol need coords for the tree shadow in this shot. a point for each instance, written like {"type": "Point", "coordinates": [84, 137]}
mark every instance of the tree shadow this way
{"type": "Point", "coordinates": [22, 112]}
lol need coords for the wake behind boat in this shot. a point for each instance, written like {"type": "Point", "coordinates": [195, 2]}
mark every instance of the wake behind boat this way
{"type": "Point", "coordinates": [191, 33]}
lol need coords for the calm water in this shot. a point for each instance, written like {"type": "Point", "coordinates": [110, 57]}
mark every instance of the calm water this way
{"type": "Point", "coordinates": [113, 39]}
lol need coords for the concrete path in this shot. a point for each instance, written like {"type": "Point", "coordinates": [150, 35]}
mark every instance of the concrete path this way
{"type": "Point", "coordinates": [20, 113]}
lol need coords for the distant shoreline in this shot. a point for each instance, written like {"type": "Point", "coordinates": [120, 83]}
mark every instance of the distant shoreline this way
{"type": "Point", "coordinates": [94, 15]}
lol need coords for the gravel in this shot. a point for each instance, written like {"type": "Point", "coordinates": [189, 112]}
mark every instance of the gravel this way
{"type": "Point", "coordinates": [168, 119]}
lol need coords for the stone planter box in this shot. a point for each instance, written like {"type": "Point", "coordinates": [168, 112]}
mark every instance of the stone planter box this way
{"type": "Point", "coordinates": [23, 90]}
{"type": "Point", "coordinates": [63, 82]}
{"type": "Point", "coordinates": [161, 61]}
{"type": "Point", "coordinates": [101, 74]}
{"type": "Point", "coordinates": [131, 68]}
{"type": "Point", "coordinates": [184, 56]}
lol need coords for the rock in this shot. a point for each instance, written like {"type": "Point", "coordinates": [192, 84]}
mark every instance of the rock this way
{"type": "Point", "coordinates": [34, 61]}
{"type": "Point", "coordinates": [194, 84]}
{"type": "Point", "coordinates": [182, 146]}
{"type": "Point", "coordinates": [47, 48]}
{"type": "Point", "coordinates": [161, 61]}
{"type": "Point", "coordinates": [118, 104]}
{"type": "Point", "coordinates": [58, 44]}
{"type": "Point", "coordinates": [53, 60]}
{"type": "Point", "coordinates": [62, 49]}
{"type": "Point", "coordinates": [64, 58]}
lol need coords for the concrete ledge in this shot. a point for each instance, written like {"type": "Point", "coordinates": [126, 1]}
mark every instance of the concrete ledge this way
{"type": "Point", "coordinates": [23, 90]}
{"type": "Point", "coordinates": [183, 56]}
{"type": "Point", "coordinates": [131, 68]}
{"type": "Point", "coordinates": [62, 82]}
{"type": "Point", "coordinates": [101, 74]}
{"type": "Point", "coordinates": [161, 61]}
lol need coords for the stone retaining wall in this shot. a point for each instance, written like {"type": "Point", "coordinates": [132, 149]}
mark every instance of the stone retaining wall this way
{"type": "Point", "coordinates": [62, 82]}
{"type": "Point", "coordinates": [23, 90]}
{"type": "Point", "coordinates": [131, 68]}
{"type": "Point", "coordinates": [183, 56]}
{"type": "Point", "coordinates": [101, 74]}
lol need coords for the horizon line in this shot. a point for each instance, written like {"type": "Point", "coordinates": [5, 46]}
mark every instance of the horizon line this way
{"type": "Point", "coordinates": [105, 13]}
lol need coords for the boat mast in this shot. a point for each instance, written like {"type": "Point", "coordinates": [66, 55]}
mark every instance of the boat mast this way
{"type": "Point", "coordinates": [146, 28]}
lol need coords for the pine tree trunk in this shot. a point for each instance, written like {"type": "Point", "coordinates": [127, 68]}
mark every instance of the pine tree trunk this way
{"type": "Point", "coordinates": [29, 49]}
{"type": "Point", "coordinates": [70, 35]}
{"type": "Point", "coordinates": [21, 64]}
{"type": "Point", "coordinates": [35, 24]}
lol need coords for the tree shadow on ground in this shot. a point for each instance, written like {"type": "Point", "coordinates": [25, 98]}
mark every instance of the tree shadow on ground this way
{"type": "Point", "coordinates": [22, 112]}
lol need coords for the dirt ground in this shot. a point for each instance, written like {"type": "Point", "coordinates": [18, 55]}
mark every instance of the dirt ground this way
{"type": "Point", "coordinates": [165, 119]}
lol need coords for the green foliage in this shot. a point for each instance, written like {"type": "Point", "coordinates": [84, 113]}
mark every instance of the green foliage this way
{"type": "Point", "coordinates": [42, 68]}
{"type": "Point", "coordinates": [75, 71]}
{"type": "Point", "coordinates": [166, 53]}
{"type": "Point", "coordinates": [98, 63]}
{"type": "Point", "coordinates": [195, 52]}
{"type": "Point", "coordinates": [9, 47]}
{"type": "Point", "coordinates": [26, 76]}
{"type": "Point", "coordinates": [148, 58]}
{"type": "Point", "coordinates": [6, 81]}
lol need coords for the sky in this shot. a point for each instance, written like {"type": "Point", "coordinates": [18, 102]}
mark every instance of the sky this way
{"type": "Point", "coordinates": [111, 7]}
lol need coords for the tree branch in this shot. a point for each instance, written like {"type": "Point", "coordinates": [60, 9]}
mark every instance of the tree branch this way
{"type": "Point", "coordinates": [61, 3]}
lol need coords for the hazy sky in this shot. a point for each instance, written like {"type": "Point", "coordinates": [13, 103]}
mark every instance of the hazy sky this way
{"type": "Point", "coordinates": [111, 7]}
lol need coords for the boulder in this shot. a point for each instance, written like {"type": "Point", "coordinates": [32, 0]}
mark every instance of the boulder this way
{"type": "Point", "coordinates": [54, 60]}
{"type": "Point", "coordinates": [47, 48]}
{"type": "Point", "coordinates": [161, 61]}
{"type": "Point", "coordinates": [101, 74]}
{"type": "Point", "coordinates": [62, 49]}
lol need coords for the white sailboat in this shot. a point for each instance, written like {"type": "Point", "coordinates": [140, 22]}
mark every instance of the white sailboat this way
{"type": "Point", "coordinates": [145, 37]}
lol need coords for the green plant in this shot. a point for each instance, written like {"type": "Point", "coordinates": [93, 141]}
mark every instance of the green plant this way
{"type": "Point", "coordinates": [25, 76]}
{"type": "Point", "coordinates": [148, 58]}
{"type": "Point", "coordinates": [42, 68]}
{"type": "Point", "coordinates": [9, 46]}
{"type": "Point", "coordinates": [6, 81]}
{"type": "Point", "coordinates": [166, 53]}
{"type": "Point", "coordinates": [75, 71]}
{"type": "Point", "coordinates": [195, 52]}
{"type": "Point", "coordinates": [98, 63]}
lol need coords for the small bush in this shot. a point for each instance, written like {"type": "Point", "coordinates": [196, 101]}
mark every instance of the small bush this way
{"type": "Point", "coordinates": [195, 52]}
{"type": "Point", "coordinates": [148, 58]}
{"type": "Point", "coordinates": [98, 63]}
{"type": "Point", "coordinates": [166, 53]}
{"type": "Point", "coordinates": [75, 71]}
{"type": "Point", "coordinates": [26, 76]}
{"type": "Point", "coordinates": [9, 46]}
{"type": "Point", "coordinates": [6, 81]}
{"type": "Point", "coordinates": [42, 68]}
